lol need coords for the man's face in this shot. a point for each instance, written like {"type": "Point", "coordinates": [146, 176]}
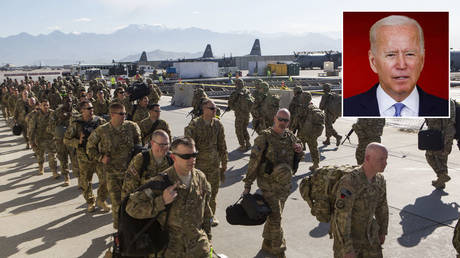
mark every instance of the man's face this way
{"type": "Point", "coordinates": [87, 110]}
{"type": "Point", "coordinates": [281, 121]}
{"type": "Point", "coordinates": [378, 159]}
{"type": "Point", "coordinates": [160, 146]}
{"type": "Point", "coordinates": [209, 110]}
{"type": "Point", "coordinates": [67, 103]}
{"type": "Point", "coordinates": [44, 106]}
{"type": "Point", "coordinates": [181, 163]}
{"type": "Point", "coordinates": [155, 113]}
{"type": "Point", "coordinates": [118, 116]}
{"type": "Point", "coordinates": [144, 102]}
{"type": "Point", "coordinates": [100, 95]}
{"type": "Point", "coordinates": [398, 59]}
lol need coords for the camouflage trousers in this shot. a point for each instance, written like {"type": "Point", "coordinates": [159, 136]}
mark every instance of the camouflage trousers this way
{"type": "Point", "coordinates": [360, 252]}
{"type": "Point", "coordinates": [5, 111]}
{"type": "Point", "coordinates": [179, 247]}
{"type": "Point", "coordinates": [273, 232]}
{"type": "Point", "coordinates": [23, 124]}
{"type": "Point", "coordinates": [213, 176]}
{"type": "Point", "coordinates": [456, 239]}
{"type": "Point", "coordinates": [241, 128]}
{"type": "Point", "coordinates": [329, 121]}
{"type": "Point", "coordinates": [46, 146]}
{"type": "Point", "coordinates": [87, 170]}
{"type": "Point", "coordinates": [361, 149]}
{"type": "Point", "coordinates": [438, 159]}
{"type": "Point", "coordinates": [114, 186]}
{"type": "Point", "coordinates": [312, 143]}
{"type": "Point", "coordinates": [63, 153]}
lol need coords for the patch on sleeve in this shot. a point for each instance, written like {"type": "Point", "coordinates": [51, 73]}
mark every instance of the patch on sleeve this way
{"type": "Point", "coordinates": [344, 193]}
{"type": "Point", "coordinates": [340, 204]}
{"type": "Point", "coordinates": [132, 171]}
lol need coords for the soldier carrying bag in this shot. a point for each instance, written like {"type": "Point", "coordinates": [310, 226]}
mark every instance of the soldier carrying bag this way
{"type": "Point", "coordinates": [430, 139]}
{"type": "Point", "coordinates": [319, 190]}
{"type": "Point", "coordinates": [252, 210]}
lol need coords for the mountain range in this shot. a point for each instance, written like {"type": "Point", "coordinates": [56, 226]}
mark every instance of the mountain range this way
{"type": "Point", "coordinates": [160, 42]}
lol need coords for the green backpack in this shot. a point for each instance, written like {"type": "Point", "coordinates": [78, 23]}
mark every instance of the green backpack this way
{"type": "Point", "coordinates": [318, 190]}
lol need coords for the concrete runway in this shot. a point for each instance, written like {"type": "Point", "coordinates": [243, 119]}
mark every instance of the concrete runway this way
{"type": "Point", "coordinates": [39, 217]}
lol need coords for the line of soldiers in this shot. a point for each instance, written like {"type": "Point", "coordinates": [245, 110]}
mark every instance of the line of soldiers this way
{"type": "Point", "coordinates": [105, 144]}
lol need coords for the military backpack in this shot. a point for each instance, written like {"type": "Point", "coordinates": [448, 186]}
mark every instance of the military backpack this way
{"type": "Point", "coordinates": [334, 104]}
{"type": "Point", "coordinates": [319, 190]}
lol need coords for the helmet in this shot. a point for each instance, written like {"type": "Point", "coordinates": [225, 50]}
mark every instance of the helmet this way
{"type": "Point", "coordinates": [307, 96]}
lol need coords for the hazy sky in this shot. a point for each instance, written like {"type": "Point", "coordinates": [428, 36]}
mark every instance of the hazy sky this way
{"type": "Point", "coordinates": [289, 16]}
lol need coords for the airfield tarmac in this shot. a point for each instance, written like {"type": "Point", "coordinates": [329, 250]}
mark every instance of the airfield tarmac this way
{"type": "Point", "coordinates": [39, 217]}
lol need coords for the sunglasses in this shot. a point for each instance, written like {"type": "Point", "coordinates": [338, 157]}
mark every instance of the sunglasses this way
{"type": "Point", "coordinates": [158, 111]}
{"type": "Point", "coordinates": [211, 108]}
{"type": "Point", "coordinates": [286, 120]}
{"type": "Point", "coordinates": [187, 156]}
{"type": "Point", "coordinates": [161, 144]}
{"type": "Point", "coordinates": [120, 113]}
{"type": "Point", "coordinates": [121, 92]}
{"type": "Point", "coordinates": [89, 108]}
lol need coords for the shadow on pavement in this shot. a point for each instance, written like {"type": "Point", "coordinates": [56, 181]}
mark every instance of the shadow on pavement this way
{"type": "Point", "coordinates": [321, 230]}
{"type": "Point", "coordinates": [419, 220]}
{"type": "Point", "coordinates": [234, 176]}
{"type": "Point", "coordinates": [237, 155]}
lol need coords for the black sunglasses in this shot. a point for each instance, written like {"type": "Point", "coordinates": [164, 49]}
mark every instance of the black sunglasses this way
{"type": "Point", "coordinates": [282, 119]}
{"type": "Point", "coordinates": [120, 113]}
{"type": "Point", "coordinates": [187, 156]}
{"type": "Point", "coordinates": [121, 92]}
{"type": "Point", "coordinates": [89, 108]}
{"type": "Point", "coordinates": [211, 108]}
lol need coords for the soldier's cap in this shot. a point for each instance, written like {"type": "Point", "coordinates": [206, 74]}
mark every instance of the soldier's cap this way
{"type": "Point", "coordinates": [265, 85]}
{"type": "Point", "coordinates": [152, 106]}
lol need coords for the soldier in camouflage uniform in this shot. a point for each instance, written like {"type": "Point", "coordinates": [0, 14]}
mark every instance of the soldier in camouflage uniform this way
{"type": "Point", "coordinates": [256, 107]}
{"type": "Point", "coordinates": [21, 109]}
{"type": "Point", "coordinates": [438, 159]}
{"type": "Point", "coordinates": [368, 130]}
{"type": "Point", "coordinates": [158, 161]}
{"type": "Point", "coordinates": [294, 107]}
{"type": "Point", "coordinates": [360, 220]}
{"type": "Point", "coordinates": [264, 108]}
{"type": "Point", "coordinates": [76, 136]}
{"type": "Point", "coordinates": [41, 139]}
{"type": "Point", "coordinates": [5, 96]}
{"type": "Point", "coordinates": [198, 97]}
{"type": "Point", "coordinates": [54, 97]}
{"type": "Point", "coordinates": [59, 122]}
{"type": "Point", "coordinates": [120, 97]}
{"type": "Point", "coordinates": [272, 162]}
{"type": "Point", "coordinates": [311, 126]}
{"type": "Point", "coordinates": [241, 102]}
{"type": "Point", "coordinates": [35, 107]}
{"type": "Point", "coordinates": [101, 105]}
{"type": "Point", "coordinates": [113, 144]}
{"type": "Point", "coordinates": [330, 115]}
{"type": "Point", "coordinates": [12, 99]}
{"type": "Point", "coordinates": [141, 111]}
{"type": "Point", "coordinates": [188, 201]}
{"type": "Point", "coordinates": [152, 123]}
{"type": "Point", "coordinates": [155, 92]}
{"type": "Point", "coordinates": [208, 133]}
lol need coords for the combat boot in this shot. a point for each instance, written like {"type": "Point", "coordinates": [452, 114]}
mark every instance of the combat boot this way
{"type": "Point", "coordinates": [55, 174]}
{"type": "Point", "coordinates": [214, 222]}
{"type": "Point", "coordinates": [41, 169]}
{"type": "Point", "coordinates": [327, 141]}
{"type": "Point", "coordinates": [242, 148]}
{"type": "Point", "coordinates": [440, 183]}
{"type": "Point", "coordinates": [91, 207]}
{"type": "Point", "coordinates": [103, 205]}
{"type": "Point", "coordinates": [338, 138]}
{"type": "Point", "coordinates": [248, 146]}
{"type": "Point", "coordinates": [66, 180]}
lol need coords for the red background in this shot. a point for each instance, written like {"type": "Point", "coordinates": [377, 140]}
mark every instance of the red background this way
{"type": "Point", "coordinates": [358, 76]}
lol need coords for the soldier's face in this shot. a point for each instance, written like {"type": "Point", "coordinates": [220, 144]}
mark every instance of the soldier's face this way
{"type": "Point", "coordinates": [144, 102]}
{"type": "Point", "coordinates": [281, 121]}
{"type": "Point", "coordinates": [87, 110]}
{"type": "Point", "coordinates": [44, 106]}
{"type": "Point", "coordinates": [378, 160]}
{"type": "Point", "coordinates": [118, 116]}
{"type": "Point", "coordinates": [210, 110]}
{"type": "Point", "coordinates": [155, 113]}
{"type": "Point", "coordinates": [160, 146]}
{"type": "Point", "coordinates": [181, 163]}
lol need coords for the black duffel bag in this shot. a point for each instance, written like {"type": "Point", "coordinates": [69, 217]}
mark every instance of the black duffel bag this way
{"type": "Point", "coordinates": [253, 204]}
{"type": "Point", "coordinates": [430, 139]}
{"type": "Point", "coordinates": [17, 129]}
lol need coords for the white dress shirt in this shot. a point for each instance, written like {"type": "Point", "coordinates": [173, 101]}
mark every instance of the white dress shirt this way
{"type": "Point", "coordinates": [386, 103]}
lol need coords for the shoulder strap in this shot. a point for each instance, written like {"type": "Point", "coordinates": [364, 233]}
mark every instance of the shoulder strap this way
{"type": "Point", "coordinates": [145, 161]}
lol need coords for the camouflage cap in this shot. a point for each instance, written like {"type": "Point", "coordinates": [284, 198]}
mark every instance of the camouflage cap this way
{"type": "Point", "coordinates": [149, 81]}
{"type": "Point", "coordinates": [307, 96]}
{"type": "Point", "coordinates": [239, 82]}
{"type": "Point", "coordinates": [265, 86]}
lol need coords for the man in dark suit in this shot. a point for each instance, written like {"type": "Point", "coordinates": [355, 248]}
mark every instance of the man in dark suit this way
{"type": "Point", "coordinates": [397, 55]}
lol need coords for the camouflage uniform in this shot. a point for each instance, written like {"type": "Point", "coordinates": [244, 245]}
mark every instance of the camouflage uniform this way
{"type": "Point", "coordinates": [54, 98]}
{"type": "Point", "coordinates": [21, 110]}
{"type": "Point", "coordinates": [140, 114]}
{"type": "Point", "coordinates": [125, 102]}
{"type": "Point", "coordinates": [101, 108]}
{"type": "Point", "coordinates": [155, 94]}
{"type": "Point", "coordinates": [330, 115]}
{"type": "Point", "coordinates": [5, 109]}
{"type": "Point", "coordinates": [360, 215]}
{"type": "Point", "coordinates": [12, 99]}
{"type": "Point", "coordinates": [294, 107]}
{"type": "Point", "coordinates": [311, 127]}
{"type": "Point", "coordinates": [438, 159]}
{"type": "Point", "coordinates": [132, 176]}
{"type": "Point", "coordinates": [212, 151]}
{"type": "Point", "coordinates": [147, 128]}
{"type": "Point", "coordinates": [264, 109]}
{"type": "Point", "coordinates": [189, 215]}
{"type": "Point", "coordinates": [87, 167]}
{"type": "Point", "coordinates": [61, 119]}
{"type": "Point", "coordinates": [39, 134]}
{"type": "Point", "coordinates": [241, 102]}
{"type": "Point", "coordinates": [368, 130]}
{"type": "Point", "coordinates": [118, 144]}
{"type": "Point", "coordinates": [198, 97]}
{"type": "Point", "coordinates": [271, 162]}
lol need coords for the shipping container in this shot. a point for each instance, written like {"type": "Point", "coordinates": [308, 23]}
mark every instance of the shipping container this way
{"type": "Point", "coordinates": [278, 69]}
{"type": "Point", "coordinates": [194, 70]}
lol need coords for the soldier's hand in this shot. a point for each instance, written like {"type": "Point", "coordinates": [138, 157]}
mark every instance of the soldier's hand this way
{"type": "Point", "coordinates": [349, 255]}
{"type": "Point", "coordinates": [246, 191]}
{"type": "Point", "coordinates": [105, 159]}
{"type": "Point", "coordinates": [170, 193]}
{"type": "Point", "coordinates": [297, 147]}
{"type": "Point", "coordinates": [382, 239]}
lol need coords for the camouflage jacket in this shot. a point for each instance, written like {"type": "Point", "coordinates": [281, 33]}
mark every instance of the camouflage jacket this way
{"type": "Point", "coordinates": [39, 126]}
{"type": "Point", "coordinates": [132, 176]}
{"type": "Point", "coordinates": [140, 114]}
{"type": "Point", "coordinates": [360, 211]}
{"type": "Point", "coordinates": [154, 95]}
{"type": "Point", "coordinates": [295, 106]}
{"type": "Point", "coordinates": [369, 127]}
{"type": "Point", "coordinates": [270, 149]}
{"type": "Point", "coordinates": [12, 103]}
{"type": "Point", "coordinates": [117, 143]}
{"type": "Point", "coordinates": [126, 103]}
{"type": "Point", "coordinates": [147, 129]}
{"type": "Point", "coordinates": [189, 215]}
{"type": "Point", "coordinates": [210, 141]}
{"type": "Point", "coordinates": [445, 125]}
{"type": "Point", "coordinates": [101, 108]}
{"type": "Point", "coordinates": [241, 101]}
{"type": "Point", "coordinates": [310, 121]}
{"type": "Point", "coordinates": [21, 109]}
{"type": "Point", "coordinates": [61, 118]}
{"type": "Point", "coordinates": [75, 129]}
